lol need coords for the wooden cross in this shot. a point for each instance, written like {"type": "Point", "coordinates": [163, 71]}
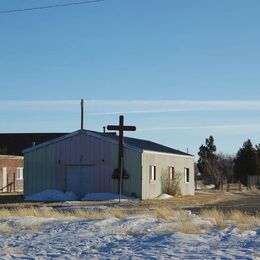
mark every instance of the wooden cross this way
{"type": "Point", "coordinates": [121, 128]}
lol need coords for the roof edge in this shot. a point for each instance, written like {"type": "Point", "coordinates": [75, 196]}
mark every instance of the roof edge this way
{"type": "Point", "coordinates": [81, 131]}
{"type": "Point", "coordinates": [172, 154]}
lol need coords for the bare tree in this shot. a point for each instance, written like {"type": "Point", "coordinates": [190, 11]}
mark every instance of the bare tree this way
{"type": "Point", "coordinates": [213, 170]}
{"type": "Point", "coordinates": [171, 184]}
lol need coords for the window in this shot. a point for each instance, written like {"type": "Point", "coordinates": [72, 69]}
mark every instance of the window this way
{"type": "Point", "coordinates": [171, 173]}
{"type": "Point", "coordinates": [152, 173]}
{"type": "Point", "coordinates": [186, 175]}
{"type": "Point", "coordinates": [19, 173]}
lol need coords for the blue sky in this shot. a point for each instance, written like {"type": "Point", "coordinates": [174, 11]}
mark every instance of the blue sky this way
{"type": "Point", "coordinates": [180, 70]}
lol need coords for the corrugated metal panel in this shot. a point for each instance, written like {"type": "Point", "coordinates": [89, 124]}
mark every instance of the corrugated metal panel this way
{"type": "Point", "coordinates": [45, 167]}
{"type": "Point", "coordinates": [132, 164]}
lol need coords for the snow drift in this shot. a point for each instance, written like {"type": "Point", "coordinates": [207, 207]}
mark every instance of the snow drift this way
{"type": "Point", "coordinates": [52, 195]}
{"type": "Point", "coordinates": [105, 196]}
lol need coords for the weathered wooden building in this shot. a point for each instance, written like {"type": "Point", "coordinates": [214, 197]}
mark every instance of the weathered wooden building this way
{"type": "Point", "coordinates": [84, 161]}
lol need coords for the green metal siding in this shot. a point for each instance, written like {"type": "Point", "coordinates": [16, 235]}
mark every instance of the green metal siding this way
{"type": "Point", "coordinates": [132, 164]}
{"type": "Point", "coordinates": [39, 170]}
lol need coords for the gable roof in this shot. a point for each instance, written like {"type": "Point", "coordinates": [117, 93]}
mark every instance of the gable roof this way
{"type": "Point", "coordinates": [146, 145]}
{"type": "Point", "coordinates": [14, 144]}
{"type": "Point", "coordinates": [143, 145]}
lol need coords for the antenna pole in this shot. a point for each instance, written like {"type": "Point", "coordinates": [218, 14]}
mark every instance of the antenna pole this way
{"type": "Point", "coordinates": [82, 114]}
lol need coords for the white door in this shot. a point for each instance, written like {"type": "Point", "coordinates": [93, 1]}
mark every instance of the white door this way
{"type": "Point", "coordinates": [4, 179]}
{"type": "Point", "coordinates": [80, 179]}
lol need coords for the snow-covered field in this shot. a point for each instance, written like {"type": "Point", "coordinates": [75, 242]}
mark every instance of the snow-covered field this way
{"type": "Point", "coordinates": [135, 237]}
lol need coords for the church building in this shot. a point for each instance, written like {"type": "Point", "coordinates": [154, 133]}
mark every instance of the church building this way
{"type": "Point", "coordinates": [86, 161]}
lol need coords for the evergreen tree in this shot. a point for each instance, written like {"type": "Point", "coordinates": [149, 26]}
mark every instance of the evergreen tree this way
{"type": "Point", "coordinates": [245, 162]}
{"type": "Point", "coordinates": [208, 162]}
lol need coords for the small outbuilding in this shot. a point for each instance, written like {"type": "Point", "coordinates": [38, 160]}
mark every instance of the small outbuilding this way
{"type": "Point", "coordinates": [85, 161]}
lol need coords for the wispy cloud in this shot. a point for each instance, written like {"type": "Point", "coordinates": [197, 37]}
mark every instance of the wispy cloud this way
{"type": "Point", "coordinates": [113, 107]}
{"type": "Point", "coordinates": [48, 105]}
{"type": "Point", "coordinates": [232, 128]}
{"type": "Point", "coordinates": [99, 107]}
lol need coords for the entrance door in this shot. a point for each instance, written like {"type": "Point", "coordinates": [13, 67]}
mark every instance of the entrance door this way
{"type": "Point", "coordinates": [4, 179]}
{"type": "Point", "coordinates": [80, 179]}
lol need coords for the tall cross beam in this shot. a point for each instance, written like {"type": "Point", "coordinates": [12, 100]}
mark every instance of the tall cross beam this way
{"type": "Point", "coordinates": [121, 128]}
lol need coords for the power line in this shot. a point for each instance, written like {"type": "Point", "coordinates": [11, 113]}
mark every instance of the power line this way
{"type": "Point", "coordinates": [50, 6]}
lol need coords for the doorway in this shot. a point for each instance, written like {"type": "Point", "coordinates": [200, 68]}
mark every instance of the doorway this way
{"type": "Point", "coordinates": [80, 179]}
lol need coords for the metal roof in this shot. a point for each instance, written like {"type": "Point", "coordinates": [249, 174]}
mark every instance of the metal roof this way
{"type": "Point", "coordinates": [146, 145]}
{"type": "Point", "coordinates": [130, 142]}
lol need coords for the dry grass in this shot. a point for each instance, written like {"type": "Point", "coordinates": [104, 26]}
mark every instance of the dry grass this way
{"type": "Point", "coordinates": [118, 213]}
{"type": "Point", "coordinates": [163, 213]}
{"type": "Point", "coordinates": [187, 201]}
{"type": "Point", "coordinates": [241, 219]}
{"type": "Point", "coordinates": [255, 190]}
{"type": "Point", "coordinates": [177, 219]}
{"type": "Point", "coordinates": [51, 213]}
{"type": "Point", "coordinates": [189, 228]}
{"type": "Point", "coordinates": [7, 228]}
{"type": "Point", "coordinates": [14, 251]}
{"type": "Point", "coordinates": [216, 216]}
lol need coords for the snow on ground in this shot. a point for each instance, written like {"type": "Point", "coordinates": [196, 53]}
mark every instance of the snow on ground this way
{"type": "Point", "coordinates": [52, 195]}
{"type": "Point", "coordinates": [164, 196]}
{"type": "Point", "coordinates": [210, 186]}
{"type": "Point", "coordinates": [105, 196]}
{"type": "Point", "coordinates": [55, 195]}
{"type": "Point", "coordinates": [75, 208]}
{"type": "Point", "coordinates": [136, 237]}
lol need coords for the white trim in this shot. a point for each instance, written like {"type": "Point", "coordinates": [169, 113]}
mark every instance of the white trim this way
{"type": "Point", "coordinates": [171, 154]}
{"type": "Point", "coordinates": [171, 173]}
{"type": "Point", "coordinates": [152, 174]}
{"type": "Point", "coordinates": [19, 173]}
{"type": "Point", "coordinates": [11, 157]}
{"type": "Point", "coordinates": [185, 175]}
{"type": "Point", "coordinates": [4, 183]}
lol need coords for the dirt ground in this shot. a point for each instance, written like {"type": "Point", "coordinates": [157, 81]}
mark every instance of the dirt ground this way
{"type": "Point", "coordinates": [245, 201]}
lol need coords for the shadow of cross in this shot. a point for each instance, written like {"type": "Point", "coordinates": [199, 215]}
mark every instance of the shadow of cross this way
{"type": "Point", "coordinates": [121, 128]}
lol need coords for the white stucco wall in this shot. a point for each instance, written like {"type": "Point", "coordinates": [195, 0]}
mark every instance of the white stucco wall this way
{"type": "Point", "coordinates": [163, 161]}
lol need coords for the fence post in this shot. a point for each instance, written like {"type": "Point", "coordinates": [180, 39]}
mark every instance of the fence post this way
{"type": "Point", "coordinates": [7, 184]}
{"type": "Point", "coordinates": [14, 182]}
{"type": "Point", "coordinates": [221, 185]}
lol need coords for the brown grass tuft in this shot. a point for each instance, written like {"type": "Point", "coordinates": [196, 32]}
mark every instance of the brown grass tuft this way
{"type": "Point", "coordinates": [242, 220]}
{"type": "Point", "coordinates": [163, 213]}
{"type": "Point", "coordinates": [6, 228]}
{"type": "Point", "coordinates": [189, 228]}
{"type": "Point", "coordinates": [216, 216]}
{"type": "Point", "coordinates": [239, 217]}
{"type": "Point", "coordinates": [51, 213]}
{"type": "Point", "coordinates": [15, 251]}
{"type": "Point", "coordinates": [118, 213]}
